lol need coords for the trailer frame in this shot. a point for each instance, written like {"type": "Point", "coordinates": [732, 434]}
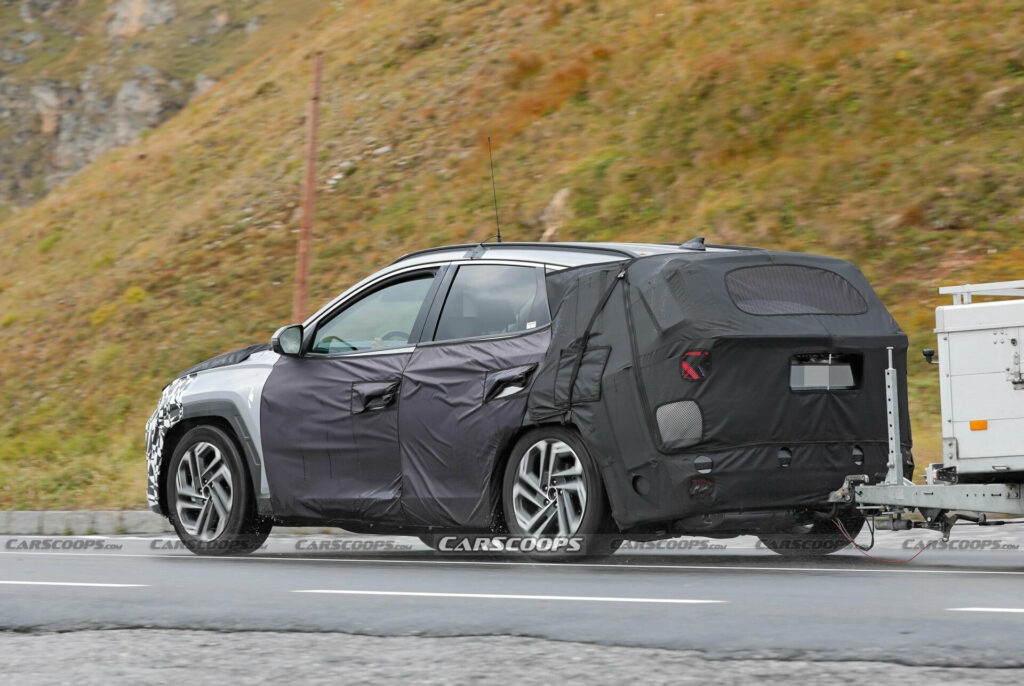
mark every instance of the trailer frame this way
{"type": "Point", "coordinates": [941, 501]}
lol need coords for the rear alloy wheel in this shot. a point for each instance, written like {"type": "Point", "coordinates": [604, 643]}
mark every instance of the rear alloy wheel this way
{"type": "Point", "coordinates": [815, 539]}
{"type": "Point", "coordinates": [210, 498]}
{"type": "Point", "coordinates": [552, 488]}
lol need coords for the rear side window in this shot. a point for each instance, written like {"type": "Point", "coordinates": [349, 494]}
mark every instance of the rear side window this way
{"type": "Point", "coordinates": [790, 289]}
{"type": "Point", "coordinates": [493, 299]}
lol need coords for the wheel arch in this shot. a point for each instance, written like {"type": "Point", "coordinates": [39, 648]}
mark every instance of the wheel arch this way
{"type": "Point", "coordinates": [222, 415]}
{"type": "Point", "coordinates": [506, 454]}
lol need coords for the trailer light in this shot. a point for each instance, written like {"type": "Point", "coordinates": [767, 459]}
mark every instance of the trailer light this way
{"type": "Point", "coordinates": [979, 425]}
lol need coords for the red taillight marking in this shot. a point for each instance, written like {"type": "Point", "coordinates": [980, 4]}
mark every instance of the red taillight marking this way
{"type": "Point", "coordinates": [696, 371]}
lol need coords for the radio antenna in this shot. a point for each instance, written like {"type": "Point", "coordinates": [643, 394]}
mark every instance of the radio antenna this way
{"type": "Point", "coordinates": [494, 189]}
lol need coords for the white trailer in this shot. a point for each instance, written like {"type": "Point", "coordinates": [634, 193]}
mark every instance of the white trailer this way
{"type": "Point", "coordinates": [981, 381]}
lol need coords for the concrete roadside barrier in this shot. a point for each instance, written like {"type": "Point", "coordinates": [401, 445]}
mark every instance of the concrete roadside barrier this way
{"type": "Point", "coordinates": [82, 522]}
{"type": "Point", "coordinates": [108, 523]}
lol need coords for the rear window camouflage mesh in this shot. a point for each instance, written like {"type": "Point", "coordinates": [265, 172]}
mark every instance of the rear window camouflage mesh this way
{"type": "Point", "coordinates": [779, 289]}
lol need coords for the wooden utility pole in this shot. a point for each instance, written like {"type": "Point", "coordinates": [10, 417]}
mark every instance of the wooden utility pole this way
{"type": "Point", "coordinates": [299, 304]}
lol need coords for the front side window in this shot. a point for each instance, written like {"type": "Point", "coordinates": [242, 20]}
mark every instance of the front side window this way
{"type": "Point", "coordinates": [492, 300]}
{"type": "Point", "coordinates": [383, 319]}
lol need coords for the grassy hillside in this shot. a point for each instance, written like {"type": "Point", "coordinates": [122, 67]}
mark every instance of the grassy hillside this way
{"type": "Point", "coordinates": [883, 132]}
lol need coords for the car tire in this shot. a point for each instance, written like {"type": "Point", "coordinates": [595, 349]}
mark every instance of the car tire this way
{"type": "Point", "coordinates": [210, 499]}
{"type": "Point", "coordinates": [815, 540]}
{"type": "Point", "coordinates": [571, 501]}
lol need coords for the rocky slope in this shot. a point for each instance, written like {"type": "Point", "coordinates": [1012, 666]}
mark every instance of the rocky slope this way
{"type": "Point", "coordinates": [79, 77]}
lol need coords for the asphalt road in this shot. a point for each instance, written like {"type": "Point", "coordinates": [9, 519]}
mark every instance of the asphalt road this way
{"type": "Point", "coordinates": [962, 606]}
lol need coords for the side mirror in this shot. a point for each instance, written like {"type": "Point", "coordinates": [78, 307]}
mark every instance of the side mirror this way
{"type": "Point", "coordinates": [929, 354]}
{"type": "Point", "coordinates": [287, 340]}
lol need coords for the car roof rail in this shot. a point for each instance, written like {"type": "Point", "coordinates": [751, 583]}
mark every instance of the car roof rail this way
{"type": "Point", "coordinates": [577, 247]}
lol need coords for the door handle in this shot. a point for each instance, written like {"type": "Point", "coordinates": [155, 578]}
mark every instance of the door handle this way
{"type": "Point", "coordinates": [379, 401]}
{"type": "Point", "coordinates": [374, 396]}
{"type": "Point", "coordinates": [507, 382]}
{"type": "Point", "coordinates": [510, 389]}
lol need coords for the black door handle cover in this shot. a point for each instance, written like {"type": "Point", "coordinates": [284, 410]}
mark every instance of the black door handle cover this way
{"type": "Point", "coordinates": [373, 396]}
{"type": "Point", "coordinates": [496, 382]}
{"type": "Point", "coordinates": [379, 402]}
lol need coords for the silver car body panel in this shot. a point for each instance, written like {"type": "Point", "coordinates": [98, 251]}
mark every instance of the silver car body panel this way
{"type": "Point", "coordinates": [211, 393]}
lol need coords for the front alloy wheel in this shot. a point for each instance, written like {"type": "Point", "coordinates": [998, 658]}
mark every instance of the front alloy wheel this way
{"type": "Point", "coordinates": [204, 491]}
{"type": "Point", "coordinates": [210, 496]}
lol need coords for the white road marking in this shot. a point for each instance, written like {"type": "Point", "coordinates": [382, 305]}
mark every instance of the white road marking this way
{"type": "Point", "coordinates": [509, 596]}
{"type": "Point", "coordinates": [71, 583]}
{"type": "Point", "coordinates": [986, 609]}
